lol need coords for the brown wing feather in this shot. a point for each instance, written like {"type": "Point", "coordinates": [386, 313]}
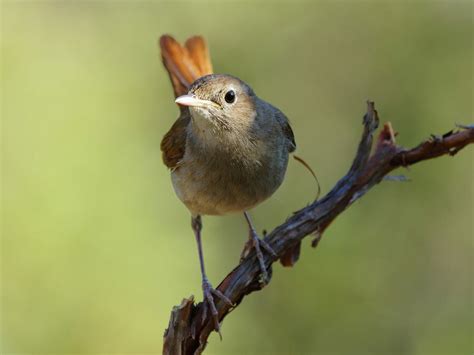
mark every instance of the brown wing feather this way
{"type": "Point", "coordinates": [173, 144]}
{"type": "Point", "coordinates": [184, 66]}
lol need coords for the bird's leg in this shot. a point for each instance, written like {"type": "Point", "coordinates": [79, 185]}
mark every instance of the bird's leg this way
{"type": "Point", "coordinates": [255, 242]}
{"type": "Point", "coordinates": [207, 288]}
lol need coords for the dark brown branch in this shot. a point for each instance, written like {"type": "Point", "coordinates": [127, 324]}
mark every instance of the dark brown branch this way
{"type": "Point", "coordinates": [189, 330]}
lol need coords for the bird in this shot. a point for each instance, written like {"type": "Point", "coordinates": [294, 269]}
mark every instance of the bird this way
{"type": "Point", "coordinates": [227, 151]}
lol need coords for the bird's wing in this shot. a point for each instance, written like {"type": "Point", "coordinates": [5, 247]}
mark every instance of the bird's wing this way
{"type": "Point", "coordinates": [289, 134]}
{"type": "Point", "coordinates": [173, 144]}
{"type": "Point", "coordinates": [184, 64]}
{"type": "Point", "coordinates": [287, 131]}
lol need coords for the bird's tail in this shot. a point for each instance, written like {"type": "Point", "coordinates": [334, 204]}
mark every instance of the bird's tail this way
{"type": "Point", "coordinates": [185, 63]}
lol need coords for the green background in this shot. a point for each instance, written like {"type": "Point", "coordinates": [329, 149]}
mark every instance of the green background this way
{"type": "Point", "coordinates": [96, 247]}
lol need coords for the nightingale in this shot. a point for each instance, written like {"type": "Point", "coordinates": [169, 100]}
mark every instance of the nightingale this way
{"type": "Point", "coordinates": [227, 151]}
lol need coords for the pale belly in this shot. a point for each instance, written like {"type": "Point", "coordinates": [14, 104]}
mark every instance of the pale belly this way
{"type": "Point", "coordinates": [207, 189]}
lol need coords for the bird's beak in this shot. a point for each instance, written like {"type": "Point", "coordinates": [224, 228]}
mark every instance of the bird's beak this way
{"type": "Point", "coordinates": [191, 100]}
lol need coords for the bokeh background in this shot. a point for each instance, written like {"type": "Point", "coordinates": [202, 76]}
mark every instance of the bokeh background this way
{"type": "Point", "coordinates": [96, 248]}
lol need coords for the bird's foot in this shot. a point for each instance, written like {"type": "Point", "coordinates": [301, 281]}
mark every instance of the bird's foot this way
{"type": "Point", "coordinates": [209, 293]}
{"type": "Point", "coordinates": [258, 244]}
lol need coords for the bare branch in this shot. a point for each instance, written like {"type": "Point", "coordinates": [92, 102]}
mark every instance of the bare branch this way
{"type": "Point", "coordinates": [189, 330]}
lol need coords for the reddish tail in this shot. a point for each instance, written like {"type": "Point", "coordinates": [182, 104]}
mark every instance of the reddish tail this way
{"type": "Point", "coordinates": [185, 63]}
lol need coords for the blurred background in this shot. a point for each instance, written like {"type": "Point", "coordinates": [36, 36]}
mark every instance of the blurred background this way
{"type": "Point", "coordinates": [96, 247]}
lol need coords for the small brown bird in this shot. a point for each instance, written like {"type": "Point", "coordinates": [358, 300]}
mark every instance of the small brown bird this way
{"type": "Point", "coordinates": [227, 151]}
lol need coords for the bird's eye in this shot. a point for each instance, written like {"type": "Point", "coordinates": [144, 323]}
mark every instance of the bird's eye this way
{"type": "Point", "coordinates": [229, 96]}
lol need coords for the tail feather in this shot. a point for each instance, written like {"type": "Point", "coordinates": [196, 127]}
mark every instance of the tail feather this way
{"type": "Point", "coordinates": [185, 63]}
{"type": "Point", "coordinates": [197, 49]}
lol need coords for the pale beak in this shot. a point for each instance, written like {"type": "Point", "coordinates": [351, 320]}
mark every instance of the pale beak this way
{"type": "Point", "coordinates": [191, 100]}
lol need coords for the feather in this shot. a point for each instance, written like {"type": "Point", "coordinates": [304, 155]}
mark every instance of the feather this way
{"type": "Point", "coordinates": [184, 66]}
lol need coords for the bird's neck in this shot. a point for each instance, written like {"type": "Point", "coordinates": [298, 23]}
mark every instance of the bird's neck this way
{"type": "Point", "coordinates": [208, 139]}
{"type": "Point", "coordinates": [205, 132]}
{"type": "Point", "coordinates": [216, 133]}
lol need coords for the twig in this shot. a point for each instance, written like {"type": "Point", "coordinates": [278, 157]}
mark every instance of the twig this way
{"type": "Point", "coordinates": [187, 332]}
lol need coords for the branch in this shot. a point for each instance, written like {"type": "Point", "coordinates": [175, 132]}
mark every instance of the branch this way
{"type": "Point", "coordinates": [189, 329]}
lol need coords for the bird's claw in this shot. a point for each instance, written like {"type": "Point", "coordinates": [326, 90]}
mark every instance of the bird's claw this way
{"type": "Point", "coordinates": [258, 244]}
{"type": "Point", "coordinates": [209, 292]}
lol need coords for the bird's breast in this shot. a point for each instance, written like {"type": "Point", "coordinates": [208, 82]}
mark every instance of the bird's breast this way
{"type": "Point", "coordinates": [219, 180]}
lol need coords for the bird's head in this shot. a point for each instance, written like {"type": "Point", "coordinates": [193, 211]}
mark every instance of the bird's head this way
{"type": "Point", "coordinates": [222, 102]}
